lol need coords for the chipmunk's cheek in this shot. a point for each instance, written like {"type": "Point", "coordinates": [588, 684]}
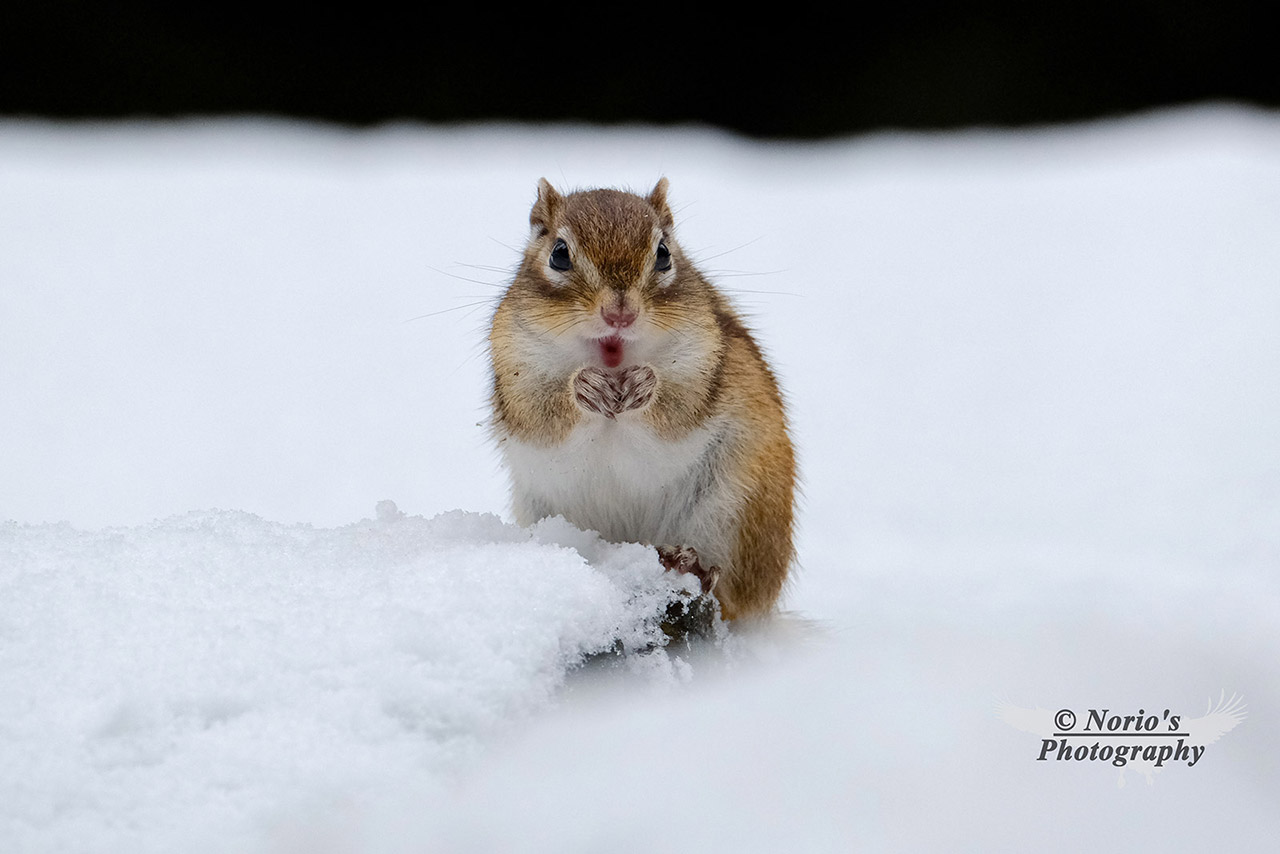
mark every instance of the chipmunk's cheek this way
{"type": "Point", "coordinates": [611, 351]}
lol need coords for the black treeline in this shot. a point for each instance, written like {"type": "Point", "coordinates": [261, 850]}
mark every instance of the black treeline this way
{"type": "Point", "coordinates": [772, 72]}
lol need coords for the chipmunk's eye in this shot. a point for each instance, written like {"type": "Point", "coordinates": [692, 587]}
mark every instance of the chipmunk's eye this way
{"type": "Point", "coordinates": [663, 259]}
{"type": "Point", "coordinates": [560, 257]}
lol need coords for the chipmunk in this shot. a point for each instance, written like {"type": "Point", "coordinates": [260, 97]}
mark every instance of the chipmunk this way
{"type": "Point", "coordinates": [629, 398]}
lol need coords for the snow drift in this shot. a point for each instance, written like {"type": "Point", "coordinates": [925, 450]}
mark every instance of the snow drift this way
{"type": "Point", "coordinates": [1035, 383]}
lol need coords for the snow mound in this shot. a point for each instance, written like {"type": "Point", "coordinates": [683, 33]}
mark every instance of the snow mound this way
{"type": "Point", "coordinates": [237, 659]}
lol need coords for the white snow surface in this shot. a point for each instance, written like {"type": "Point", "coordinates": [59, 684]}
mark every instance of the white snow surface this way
{"type": "Point", "coordinates": [259, 593]}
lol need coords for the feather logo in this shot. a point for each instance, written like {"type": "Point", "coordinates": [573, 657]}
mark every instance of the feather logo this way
{"type": "Point", "coordinates": [1143, 743]}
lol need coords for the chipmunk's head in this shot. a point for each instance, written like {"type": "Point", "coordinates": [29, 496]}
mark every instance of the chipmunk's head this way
{"type": "Point", "coordinates": [607, 278]}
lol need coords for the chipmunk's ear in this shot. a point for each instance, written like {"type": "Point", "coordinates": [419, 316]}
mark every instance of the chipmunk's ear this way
{"type": "Point", "coordinates": [546, 208]}
{"type": "Point", "coordinates": [658, 199]}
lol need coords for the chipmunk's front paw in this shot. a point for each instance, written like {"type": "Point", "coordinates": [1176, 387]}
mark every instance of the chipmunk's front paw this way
{"type": "Point", "coordinates": [684, 559]}
{"type": "Point", "coordinates": [608, 393]}
{"type": "Point", "coordinates": [595, 390]}
{"type": "Point", "coordinates": [695, 616]}
{"type": "Point", "coordinates": [636, 386]}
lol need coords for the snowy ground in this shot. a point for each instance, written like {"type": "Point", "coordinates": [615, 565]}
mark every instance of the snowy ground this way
{"type": "Point", "coordinates": [1035, 382]}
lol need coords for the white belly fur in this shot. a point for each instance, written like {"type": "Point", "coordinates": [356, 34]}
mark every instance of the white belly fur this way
{"type": "Point", "coordinates": [619, 479]}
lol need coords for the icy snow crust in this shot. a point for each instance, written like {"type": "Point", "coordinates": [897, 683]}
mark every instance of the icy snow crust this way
{"type": "Point", "coordinates": [1035, 385]}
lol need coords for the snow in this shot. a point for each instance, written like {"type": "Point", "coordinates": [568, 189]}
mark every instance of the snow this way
{"type": "Point", "coordinates": [1035, 383]}
{"type": "Point", "coordinates": [217, 654]}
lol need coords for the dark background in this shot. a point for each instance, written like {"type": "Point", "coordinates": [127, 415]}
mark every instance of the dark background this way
{"type": "Point", "coordinates": [774, 72]}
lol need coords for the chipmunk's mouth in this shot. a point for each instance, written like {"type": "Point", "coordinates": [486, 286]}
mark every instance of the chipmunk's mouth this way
{"type": "Point", "coordinates": [611, 351]}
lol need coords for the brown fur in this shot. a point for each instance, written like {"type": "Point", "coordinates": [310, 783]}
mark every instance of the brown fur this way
{"type": "Point", "coordinates": [727, 379]}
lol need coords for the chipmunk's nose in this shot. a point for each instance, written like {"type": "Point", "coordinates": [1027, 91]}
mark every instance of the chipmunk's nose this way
{"type": "Point", "coordinates": [619, 315]}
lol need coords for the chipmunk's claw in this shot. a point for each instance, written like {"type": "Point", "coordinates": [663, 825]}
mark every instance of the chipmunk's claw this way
{"type": "Point", "coordinates": [685, 560]}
